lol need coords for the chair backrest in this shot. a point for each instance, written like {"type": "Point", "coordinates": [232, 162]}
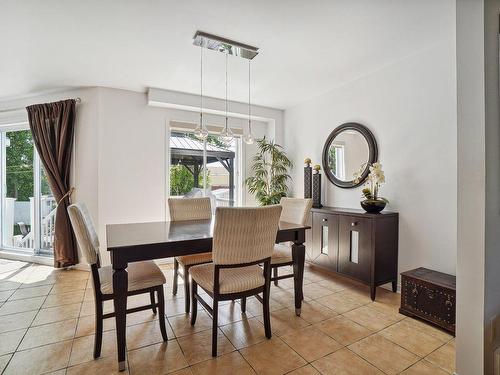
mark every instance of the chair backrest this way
{"type": "Point", "coordinates": [295, 210]}
{"type": "Point", "coordinates": [244, 235]}
{"type": "Point", "coordinates": [85, 233]}
{"type": "Point", "coordinates": [189, 209]}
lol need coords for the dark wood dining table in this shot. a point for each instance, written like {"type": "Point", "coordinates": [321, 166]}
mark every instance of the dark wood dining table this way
{"type": "Point", "coordinates": [155, 240]}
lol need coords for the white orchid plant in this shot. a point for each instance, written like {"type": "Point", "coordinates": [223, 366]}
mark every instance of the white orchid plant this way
{"type": "Point", "coordinates": [375, 178]}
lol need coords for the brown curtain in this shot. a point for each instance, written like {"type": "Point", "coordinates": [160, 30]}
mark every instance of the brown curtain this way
{"type": "Point", "coordinates": [52, 126]}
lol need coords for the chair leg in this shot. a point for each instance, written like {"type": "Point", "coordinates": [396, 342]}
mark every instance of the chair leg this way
{"type": "Point", "coordinates": [98, 329]}
{"type": "Point", "coordinates": [176, 277]}
{"type": "Point", "coordinates": [161, 315]}
{"type": "Point", "coordinates": [265, 311]}
{"type": "Point", "coordinates": [186, 289]}
{"type": "Point", "coordinates": [275, 274]}
{"type": "Point", "coordinates": [215, 308]}
{"type": "Point", "coordinates": [244, 305]}
{"type": "Point", "coordinates": [194, 309]}
{"type": "Point", "coordinates": [152, 298]}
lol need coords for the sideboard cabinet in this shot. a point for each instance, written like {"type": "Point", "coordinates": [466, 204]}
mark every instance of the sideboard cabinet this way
{"type": "Point", "coordinates": [357, 244]}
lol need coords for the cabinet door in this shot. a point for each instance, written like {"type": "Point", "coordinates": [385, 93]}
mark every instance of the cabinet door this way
{"type": "Point", "coordinates": [325, 245]}
{"type": "Point", "coordinates": [355, 250]}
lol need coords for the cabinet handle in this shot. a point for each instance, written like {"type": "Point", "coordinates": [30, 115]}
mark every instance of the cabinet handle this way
{"type": "Point", "coordinates": [354, 223]}
{"type": "Point", "coordinates": [325, 219]}
{"type": "Point", "coordinates": [415, 292]}
{"type": "Point", "coordinates": [430, 295]}
{"type": "Point", "coordinates": [448, 303]}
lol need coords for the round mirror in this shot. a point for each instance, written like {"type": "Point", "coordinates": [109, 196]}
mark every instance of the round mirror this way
{"type": "Point", "coordinates": [350, 148]}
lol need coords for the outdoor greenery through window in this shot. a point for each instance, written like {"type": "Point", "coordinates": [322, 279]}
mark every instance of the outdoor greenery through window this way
{"type": "Point", "coordinates": [199, 168]}
{"type": "Point", "coordinates": [28, 207]}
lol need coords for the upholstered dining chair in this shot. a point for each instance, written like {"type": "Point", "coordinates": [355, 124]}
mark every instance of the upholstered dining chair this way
{"type": "Point", "coordinates": [143, 277]}
{"type": "Point", "coordinates": [243, 238]}
{"type": "Point", "coordinates": [182, 209]}
{"type": "Point", "coordinates": [295, 211]}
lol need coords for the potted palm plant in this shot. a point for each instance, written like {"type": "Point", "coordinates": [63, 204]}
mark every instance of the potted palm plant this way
{"type": "Point", "coordinates": [270, 168]}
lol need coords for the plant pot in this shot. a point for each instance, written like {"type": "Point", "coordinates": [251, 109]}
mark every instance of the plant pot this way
{"type": "Point", "coordinates": [373, 206]}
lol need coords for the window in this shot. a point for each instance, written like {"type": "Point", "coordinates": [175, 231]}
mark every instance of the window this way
{"type": "Point", "coordinates": [204, 168]}
{"type": "Point", "coordinates": [28, 206]}
{"type": "Point", "coordinates": [336, 161]}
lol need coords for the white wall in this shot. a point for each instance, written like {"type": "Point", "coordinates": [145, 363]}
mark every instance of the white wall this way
{"type": "Point", "coordinates": [410, 107]}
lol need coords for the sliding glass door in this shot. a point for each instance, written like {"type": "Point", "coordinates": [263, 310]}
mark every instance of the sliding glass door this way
{"type": "Point", "coordinates": [204, 168]}
{"type": "Point", "coordinates": [28, 206]}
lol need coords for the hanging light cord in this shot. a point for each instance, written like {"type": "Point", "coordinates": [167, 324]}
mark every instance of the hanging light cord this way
{"type": "Point", "coordinates": [249, 107]}
{"type": "Point", "coordinates": [226, 90]}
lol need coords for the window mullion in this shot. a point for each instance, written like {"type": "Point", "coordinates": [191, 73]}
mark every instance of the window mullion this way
{"type": "Point", "coordinates": [37, 198]}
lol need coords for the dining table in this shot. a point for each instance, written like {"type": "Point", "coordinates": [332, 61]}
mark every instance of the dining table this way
{"type": "Point", "coordinates": [135, 242]}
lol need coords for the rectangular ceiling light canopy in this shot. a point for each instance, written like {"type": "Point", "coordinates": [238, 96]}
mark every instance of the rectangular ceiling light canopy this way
{"type": "Point", "coordinates": [218, 43]}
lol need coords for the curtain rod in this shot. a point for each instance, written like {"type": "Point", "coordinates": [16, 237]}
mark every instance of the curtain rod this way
{"type": "Point", "coordinates": [77, 100]}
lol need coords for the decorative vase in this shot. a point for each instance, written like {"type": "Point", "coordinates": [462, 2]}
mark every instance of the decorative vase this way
{"type": "Point", "coordinates": [307, 179]}
{"type": "Point", "coordinates": [373, 206]}
{"type": "Point", "coordinates": [316, 193]}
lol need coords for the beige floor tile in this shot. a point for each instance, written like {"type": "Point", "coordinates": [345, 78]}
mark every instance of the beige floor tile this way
{"type": "Point", "coordinates": [444, 357]}
{"type": "Point", "coordinates": [314, 312]}
{"type": "Point", "coordinates": [384, 354]}
{"type": "Point", "coordinates": [314, 290]}
{"type": "Point", "coordinates": [272, 357]}
{"type": "Point", "coordinates": [66, 286]}
{"type": "Point", "coordinates": [306, 370]}
{"type": "Point", "coordinates": [145, 334]}
{"type": "Point", "coordinates": [83, 348]}
{"type": "Point", "coordinates": [38, 291]}
{"type": "Point", "coordinates": [231, 312]}
{"type": "Point", "coordinates": [8, 285]}
{"type": "Point", "coordinates": [175, 307]}
{"type": "Point", "coordinates": [181, 324]}
{"type": "Point", "coordinates": [69, 298]}
{"type": "Point", "coordinates": [284, 321]}
{"type": "Point", "coordinates": [108, 366]}
{"type": "Point", "coordinates": [57, 372]}
{"type": "Point", "coordinates": [4, 359]}
{"type": "Point", "coordinates": [404, 334]}
{"type": "Point", "coordinates": [16, 321]}
{"type": "Point", "coordinates": [184, 371]}
{"type": "Point", "coordinates": [424, 368]}
{"type": "Point", "coordinates": [9, 341]}
{"type": "Point", "coordinates": [334, 284]}
{"type": "Point", "coordinates": [343, 330]}
{"type": "Point", "coordinates": [345, 362]}
{"type": "Point", "coordinates": [86, 325]}
{"type": "Point", "coordinates": [4, 295]}
{"type": "Point", "coordinates": [40, 360]}
{"type": "Point", "coordinates": [198, 347]}
{"type": "Point", "coordinates": [157, 359]}
{"type": "Point", "coordinates": [48, 334]}
{"type": "Point", "coordinates": [311, 343]}
{"type": "Point", "coordinates": [373, 319]}
{"type": "Point", "coordinates": [429, 329]}
{"type": "Point", "coordinates": [254, 306]}
{"type": "Point", "coordinates": [22, 305]}
{"type": "Point", "coordinates": [341, 303]}
{"type": "Point", "coordinates": [228, 364]}
{"type": "Point", "coordinates": [286, 297]}
{"type": "Point", "coordinates": [57, 314]}
{"type": "Point", "coordinates": [244, 333]}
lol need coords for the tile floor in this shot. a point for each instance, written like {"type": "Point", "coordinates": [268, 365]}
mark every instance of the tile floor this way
{"type": "Point", "coordinates": [46, 327]}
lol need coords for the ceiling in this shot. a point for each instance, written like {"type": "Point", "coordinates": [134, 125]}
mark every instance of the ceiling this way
{"type": "Point", "coordinates": [306, 47]}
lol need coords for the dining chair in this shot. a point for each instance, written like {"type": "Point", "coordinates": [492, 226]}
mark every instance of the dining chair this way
{"type": "Point", "coordinates": [243, 238]}
{"type": "Point", "coordinates": [182, 209]}
{"type": "Point", "coordinates": [143, 277]}
{"type": "Point", "coordinates": [295, 211]}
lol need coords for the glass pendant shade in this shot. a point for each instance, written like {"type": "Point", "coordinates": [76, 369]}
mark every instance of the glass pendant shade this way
{"type": "Point", "coordinates": [201, 132]}
{"type": "Point", "coordinates": [248, 138]}
{"type": "Point", "coordinates": [227, 135]}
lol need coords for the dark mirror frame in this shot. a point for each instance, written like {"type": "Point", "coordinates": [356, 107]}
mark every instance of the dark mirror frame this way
{"type": "Point", "coordinates": [372, 153]}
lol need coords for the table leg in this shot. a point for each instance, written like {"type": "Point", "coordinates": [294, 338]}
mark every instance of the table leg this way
{"type": "Point", "coordinates": [299, 256]}
{"type": "Point", "coordinates": [120, 287]}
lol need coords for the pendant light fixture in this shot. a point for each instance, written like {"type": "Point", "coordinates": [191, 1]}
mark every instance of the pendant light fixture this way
{"type": "Point", "coordinates": [248, 138]}
{"type": "Point", "coordinates": [226, 135]}
{"type": "Point", "coordinates": [201, 131]}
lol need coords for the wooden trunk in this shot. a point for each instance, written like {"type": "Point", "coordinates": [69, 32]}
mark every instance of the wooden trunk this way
{"type": "Point", "coordinates": [429, 295]}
